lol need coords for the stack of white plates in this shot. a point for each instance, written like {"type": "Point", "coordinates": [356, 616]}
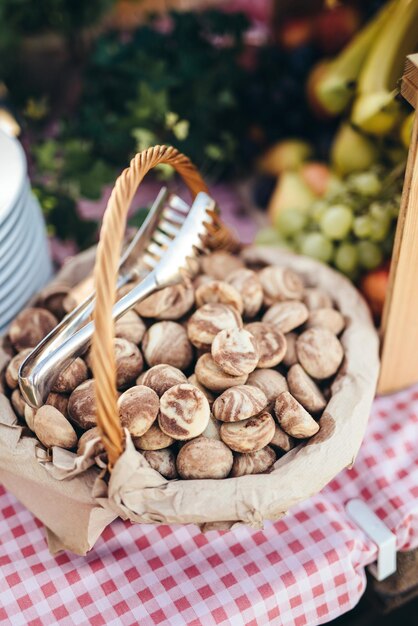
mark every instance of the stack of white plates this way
{"type": "Point", "coordinates": [25, 264]}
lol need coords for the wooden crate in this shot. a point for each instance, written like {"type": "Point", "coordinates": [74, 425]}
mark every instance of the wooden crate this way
{"type": "Point", "coordinates": [399, 367]}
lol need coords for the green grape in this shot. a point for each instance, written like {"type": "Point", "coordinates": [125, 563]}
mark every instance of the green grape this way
{"type": "Point", "coordinates": [380, 229]}
{"type": "Point", "coordinates": [381, 217]}
{"type": "Point", "coordinates": [365, 183]}
{"type": "Point", "coordinates": [268, 237]}
{"type": "Point", "coordinates": [346, 258]}
{"type": "Point", "coordinates": [380, 211]}
{"type": "Point", "coordinates": [290, 221]}
{"type": "Point", "coordinates": [369, 254]}
{"type": "Point", "coordinates": [317, 246]}
{"type": "Point", "coordinates": [337, 221]}
{"type": "Point", "coordinates": [336, 187]}
{"type": "Point", "coordinates": [318, 209]}
{"type": "Point", "coordinates": [362, 226]}
{"type": "Point", "coordinates": [298, 240]}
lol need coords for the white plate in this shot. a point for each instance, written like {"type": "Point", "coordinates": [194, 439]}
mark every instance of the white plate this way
{"type": "Point", "coordinates": [39, 275]}
{"type": "Point", "coordinates": [14, 220]}
{"type": "Point", "coordinates": [27, 213]}
{"type": "Point", "coordinates": [25, 264]}
{"type": "Point", "coordinates": [17, 273]}
{"type": "Point", "coordinates": [11, 269]}
{"type": "Point", "coordinates": [19, 243]}
{"type": "Point", "coordinates": [20, 233]}
{"type": "Point", "coordinates": [18, 303]}
{"type": "Point", "coordinates": [12, 173]}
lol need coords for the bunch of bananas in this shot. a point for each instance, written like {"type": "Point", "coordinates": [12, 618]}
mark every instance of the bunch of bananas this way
{"type": "Point", "coordinates": [367, 72]}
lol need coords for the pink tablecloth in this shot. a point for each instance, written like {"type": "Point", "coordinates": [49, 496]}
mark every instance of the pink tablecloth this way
{"type": "Point", "coordinates": [305, 569]}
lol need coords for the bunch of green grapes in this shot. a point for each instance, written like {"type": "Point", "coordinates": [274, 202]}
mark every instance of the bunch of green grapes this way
{"type": "Point", "coordinates": [351, 228]}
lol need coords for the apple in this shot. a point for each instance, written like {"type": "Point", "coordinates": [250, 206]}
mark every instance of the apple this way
{"type": "Point", "coordinates": [334, 26]}
{"type": "Point", "coordinates": [374, 287]}
{"type": "Point", "coordinates": [295, 32]}
{"type": "Point", "coordinates": [315, 76]}
{"type": "Point", "coordinates": [317, 176]}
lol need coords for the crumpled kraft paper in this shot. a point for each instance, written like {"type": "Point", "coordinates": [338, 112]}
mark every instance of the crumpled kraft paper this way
{"type": "Point", "coordinates": [75, 499]}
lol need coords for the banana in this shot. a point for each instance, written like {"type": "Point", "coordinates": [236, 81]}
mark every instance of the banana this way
{"type": "Point", "coordinates": [376, 109]}
{"type": "Point", "coordinates": [406, 129]}
{"type": "Point", "coordinates": [336, 86]}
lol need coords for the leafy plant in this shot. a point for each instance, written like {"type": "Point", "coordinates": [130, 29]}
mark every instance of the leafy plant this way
{"type": "Point", "coordinates": [175, 88]}
{"type": "Point", "coordinates": [62, 219]}
{"type": "Point", "coordinates": [186, 86]}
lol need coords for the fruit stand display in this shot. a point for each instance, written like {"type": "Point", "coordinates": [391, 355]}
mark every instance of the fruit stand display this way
{"type": "Point", "coordinates": [347, 215]}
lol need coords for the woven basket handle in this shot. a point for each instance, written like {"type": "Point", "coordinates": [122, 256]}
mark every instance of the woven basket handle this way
{"type": "Point", "coordinates": [105, 279]}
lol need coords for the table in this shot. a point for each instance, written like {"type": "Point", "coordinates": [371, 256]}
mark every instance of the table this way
{"type": "Point", "coordinates": [307, 568]}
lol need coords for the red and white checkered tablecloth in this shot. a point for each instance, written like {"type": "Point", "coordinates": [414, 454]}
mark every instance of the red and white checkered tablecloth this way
{"type": "Point", "coordinates": [307, 568]}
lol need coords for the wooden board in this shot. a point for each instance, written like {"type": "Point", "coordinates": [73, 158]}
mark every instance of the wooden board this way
{"type": "Point", "coordinates": [399, 366]}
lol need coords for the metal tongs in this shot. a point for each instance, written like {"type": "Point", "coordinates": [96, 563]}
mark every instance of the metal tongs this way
{"type": "Point", "coordinates": [161, 254]}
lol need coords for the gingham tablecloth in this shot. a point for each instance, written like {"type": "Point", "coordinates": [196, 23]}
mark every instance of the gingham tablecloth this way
{"type": "Point", "coordinates": [307, 568]}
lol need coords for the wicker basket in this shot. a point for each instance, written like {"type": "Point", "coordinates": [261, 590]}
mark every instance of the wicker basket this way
{"type": "Point", "coordinates": [76, 500]}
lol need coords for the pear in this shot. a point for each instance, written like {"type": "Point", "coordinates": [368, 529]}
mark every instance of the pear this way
{"type": "Point", "coordinates": [352, 151]}
{"type": "Point", "coordinates": [291, 192]}
{"type": "Point", "coordinates": [284, 155]}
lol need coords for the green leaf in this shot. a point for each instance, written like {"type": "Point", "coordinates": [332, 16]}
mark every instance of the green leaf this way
{"type": "Point", "coordinates": [92, 182]}
{"type": "Point", "coordinates": [171, 119]}
{"type": "Point", "coordinates": [181, 129]}
{"type": "Point", "coordinates": [46, 156]}
{"type": "Point", "coordinates": [62, 218]}
{"type": "Point", "coordinates": [144, 138]}
{"type": "Point", "coordinates": [214, 152]}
